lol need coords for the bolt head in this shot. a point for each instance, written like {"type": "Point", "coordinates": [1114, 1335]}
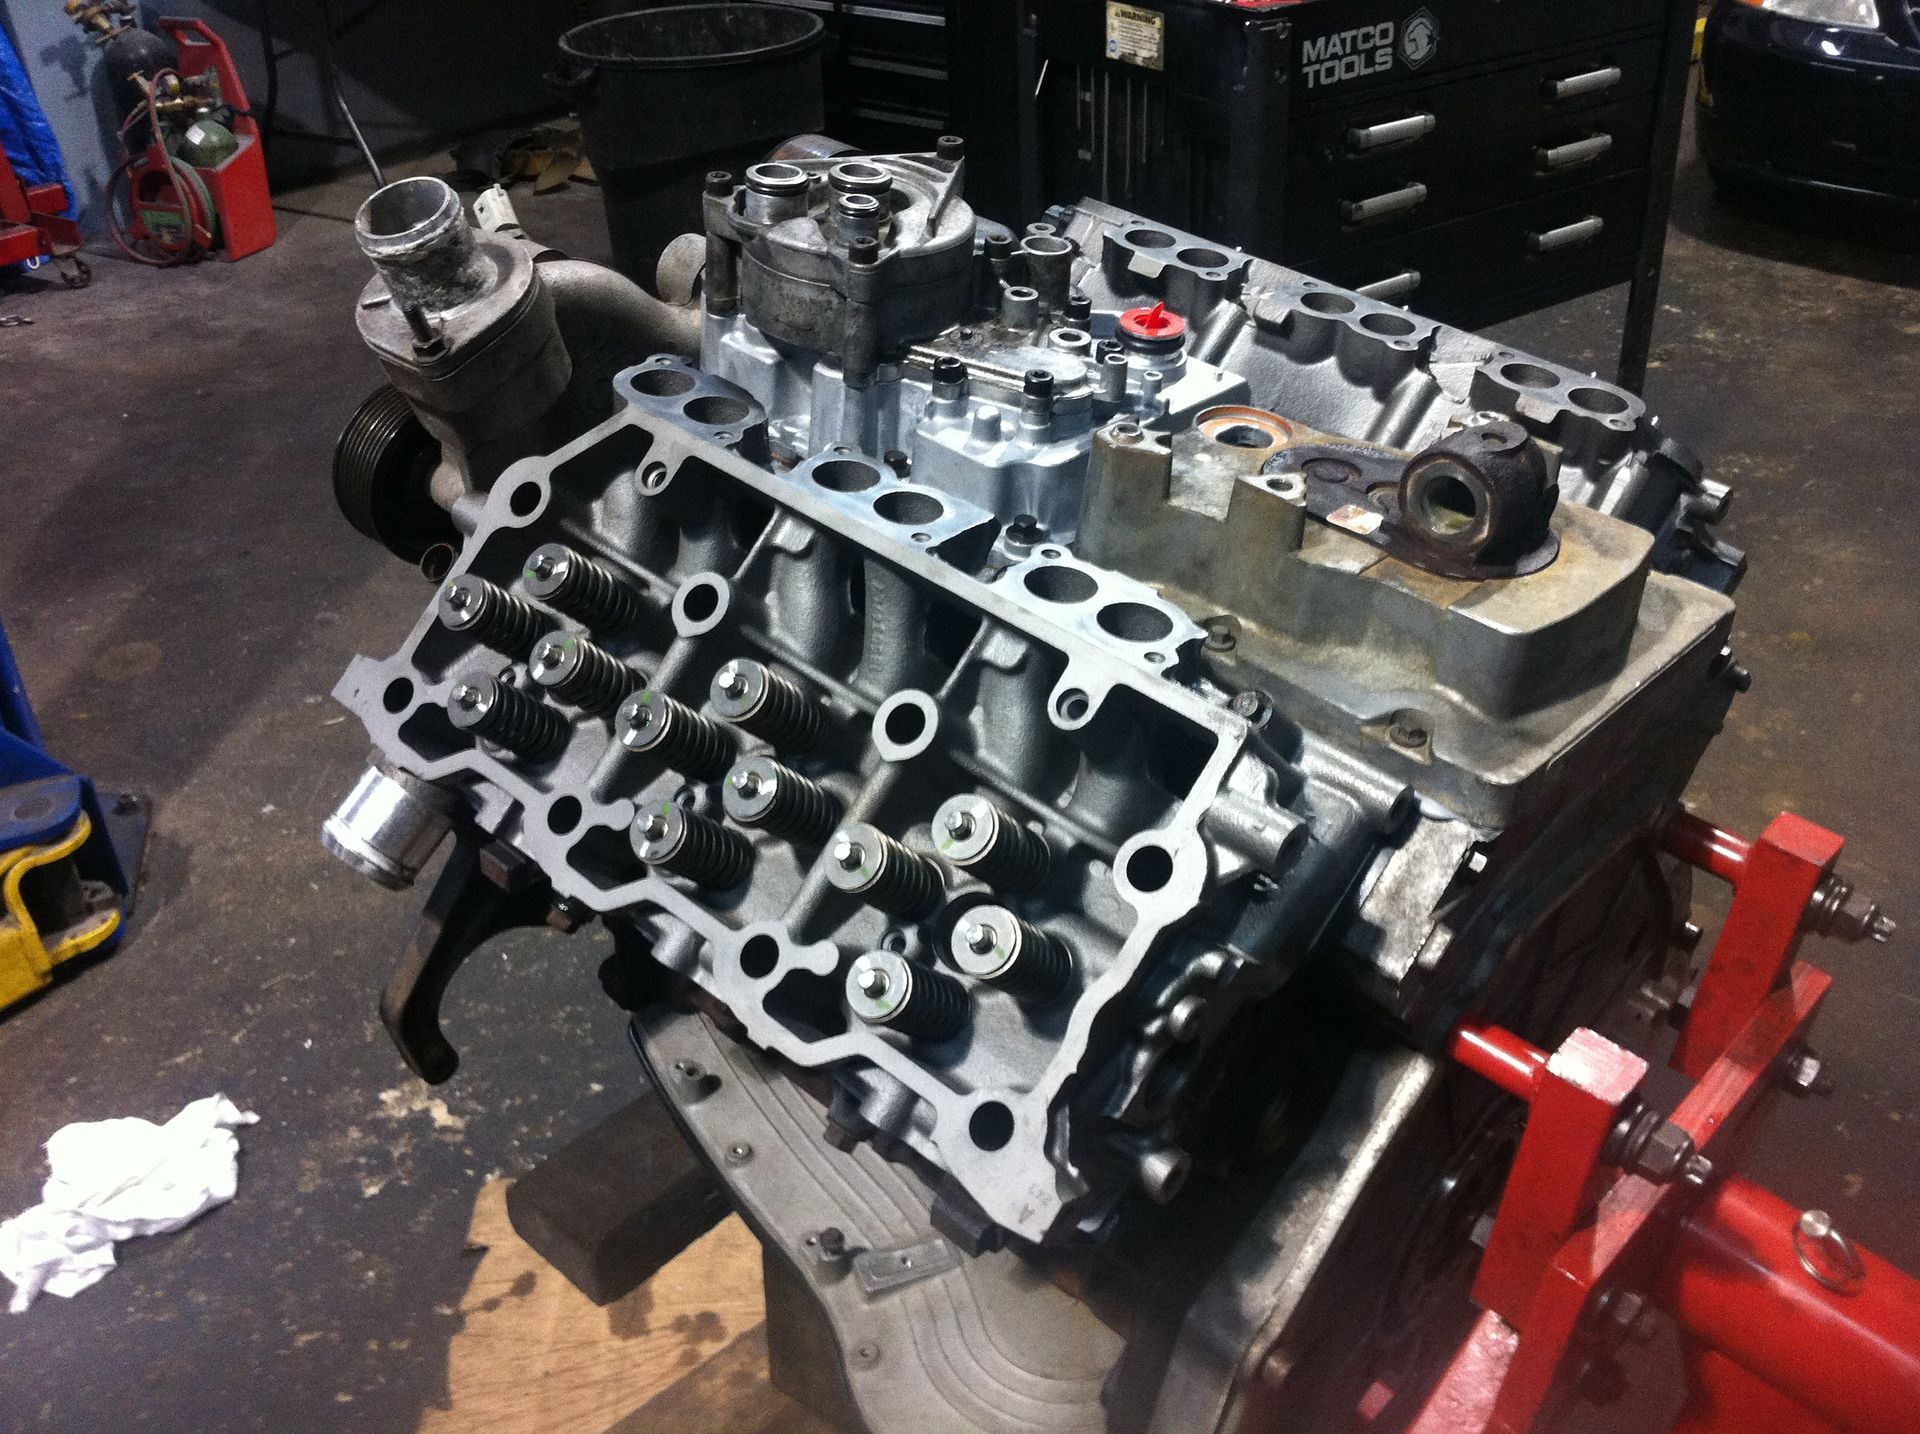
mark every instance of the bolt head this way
{"type": "Point", "coordinates": [1666, 1154]}
{"type": "Point", "coordinates": [1184, 1020]}
{"type": "Point", "coordinates": [1162, 1172]}
{"type": "Point", "coordinates": [848, 854]}
{"type": "Point", "coordinates": [467, 696]}
{"type": "Point", "coordinates": [732, 680]}
{"type": "Point", "coordinates": [873, 982]}
{"type": "Point", "coordinates": [1801, 1072]}
{"type": "Point", "coordinates": [960, 825]}
{"type": "Point", "coordinates": [979, 937]}
{"type": "Point", "coordinates": [749, 785]}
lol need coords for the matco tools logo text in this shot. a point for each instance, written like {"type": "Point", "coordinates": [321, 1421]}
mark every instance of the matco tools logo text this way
{"type": "Point", "coordinates": [1368, 50]}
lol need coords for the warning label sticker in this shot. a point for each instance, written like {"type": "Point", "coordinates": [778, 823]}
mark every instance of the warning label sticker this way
{"type": "Point", "coordinates": [1136, 36]}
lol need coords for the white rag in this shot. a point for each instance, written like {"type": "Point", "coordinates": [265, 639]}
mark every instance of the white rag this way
{"type": "Point", "coordinates": [112, 1180]}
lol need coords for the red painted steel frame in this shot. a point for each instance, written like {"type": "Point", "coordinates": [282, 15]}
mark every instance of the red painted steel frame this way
{"type": "Point", "coordinates": [238, 184]}
{"type": "Point", "coordinates": [1849, 1358]}
{"type": "Point", "coordinates": [33, 224]}
{"type": "Point", "coordinates": [1769, 1348]}
{"type": "Point", "coordinates": [1773, 881]}
{"type": "Point", "coordinates": [1510, 1369]}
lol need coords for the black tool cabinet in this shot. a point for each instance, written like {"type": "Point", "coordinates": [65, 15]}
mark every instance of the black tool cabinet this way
{"type": "Point", "coordinates": [887, 85]}
{"type": "Point", "coordinates": [1472, 159]}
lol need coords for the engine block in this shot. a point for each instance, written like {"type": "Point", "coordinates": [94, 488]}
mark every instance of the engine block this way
{"type": "Point", "coordinates": [1001, 662]}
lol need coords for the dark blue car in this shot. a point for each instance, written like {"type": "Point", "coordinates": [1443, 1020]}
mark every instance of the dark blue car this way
{"type": "Point", "coordinates": [1818, 94]}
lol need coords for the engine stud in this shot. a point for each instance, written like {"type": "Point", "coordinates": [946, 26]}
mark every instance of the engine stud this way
{"type": "Point", "coordinates": [663, 727]}
{"type": "Point", "coordinates": [760, 701]}
{"type": "Point", "coordinates": [992, 944]}
{"type": "Point", "coordinates": [490, 614]}
{"type": "Point", "coordinates": [582, 673]}
{"type": "Point", "coordinates": [760, 792]}
{"type": "Point", "coordinates": [506, 717]}
{"type": "Point", "coordinates": [886, 989]}
{"type": "Point", "coordinates": [864, 861]}
{"type": "Point", "coordinates": [974, 834]}
{"type": "Point", "coordinates": [690, 845]}
{"type": "Point", "coordinates": [581, 588]}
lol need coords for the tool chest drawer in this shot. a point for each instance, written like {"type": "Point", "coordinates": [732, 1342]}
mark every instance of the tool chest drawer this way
{"type": "Point", "coordinates": [1414, 183]}
{"type": "Point", "coordinates": [1547, 92]}
{"type": "Point", "coordinates": [887, 71]}
{"type": "Point", "coordinates": [1502, 261]}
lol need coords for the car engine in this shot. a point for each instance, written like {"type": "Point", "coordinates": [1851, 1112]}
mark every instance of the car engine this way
{"type": "Point", "coordinates": [1060, 723]}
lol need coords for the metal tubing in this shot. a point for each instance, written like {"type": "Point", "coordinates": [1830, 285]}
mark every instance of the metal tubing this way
{"type": "Point", "coordinates": [1737, 1282]}
{"type": "Point", "coordinates": [1500, 1056]}
{"type": "Point", "coordinates": [1712, 849]}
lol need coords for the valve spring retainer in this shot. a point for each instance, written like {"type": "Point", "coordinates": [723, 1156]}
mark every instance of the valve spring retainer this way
{"type": "Point", "coordinates": [974, 834]}
{"type": "Point", "coordinates": [581, 672]}
{"type": "Point", "coordinates": [762, 793]}
{"type": "Point", "coordinates": [506, 717]}
{"type": "Point", "coordinates": [692, 846]}
{"type": "Point", "coordinates": [992, 944]}
{"type": "Point", "coordinates": [886, 989]}
{"type": "Point", "coordinates": [760, 701]}
{"type": "Point", "coordinates": [490, 614]}
{"type": "Point", "coordinates": [668, 729]}
{"type": "Point", "coordinates": [583, 589]}
{"type": "Point", "coordinates": [864, 861]}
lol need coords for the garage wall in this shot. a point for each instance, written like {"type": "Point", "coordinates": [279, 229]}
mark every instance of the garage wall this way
{"type": "Point", "coordinates": [64, 66]}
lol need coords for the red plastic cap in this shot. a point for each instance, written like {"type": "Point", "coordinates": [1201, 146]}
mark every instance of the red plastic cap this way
{"type": "Point", "coordinates": [1159, 322]}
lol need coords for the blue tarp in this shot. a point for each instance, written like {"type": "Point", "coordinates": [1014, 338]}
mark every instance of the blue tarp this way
{"type": "Point", "coordinates": [24, 132]}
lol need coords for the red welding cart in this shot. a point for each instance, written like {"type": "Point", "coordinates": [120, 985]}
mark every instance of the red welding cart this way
{"type": "Point", "coordinates": [166, 209]}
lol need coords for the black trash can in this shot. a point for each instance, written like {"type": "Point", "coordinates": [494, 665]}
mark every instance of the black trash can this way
{"type": "Point", "coordinates": [666, 95]}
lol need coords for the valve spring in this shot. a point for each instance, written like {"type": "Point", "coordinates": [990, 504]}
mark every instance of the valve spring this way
{"type": "Point", "coordinates": [992, 944]}
{"type": "Point", "coordinates": [886, 989]}
{"type": "Point", "coordinates": [690, 845]}
{"type": "Point", "coordinates": [973, 833]}
{"type": "Point", "coordinates": [758, 700]}
{"type": "Point", "coordinates": [760, 792]}
{"type": "Point", "coordinates": [581, 588]}
{"type": "Point", "coordinates": [490, 613]}
{"type": "Point", "coordinates": [864, 861]}
{"type": "Point", "coordinates": [506, 716]}
{"type": "Point", "coordinates": [580, 672]}
{"type": "Point", "coordinates": [668, 729]}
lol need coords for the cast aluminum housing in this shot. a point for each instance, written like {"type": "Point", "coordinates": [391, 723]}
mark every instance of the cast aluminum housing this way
{"type": "Point", "coordinates": [1136, 607]}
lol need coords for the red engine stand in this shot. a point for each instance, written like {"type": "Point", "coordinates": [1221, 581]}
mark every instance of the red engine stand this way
{"type": "Point", "coordinates": [33, 223]}
{"type": "Point", "coordinates": [237, 186]}
{"type": "Point", "coordinates": [1787, 1327]}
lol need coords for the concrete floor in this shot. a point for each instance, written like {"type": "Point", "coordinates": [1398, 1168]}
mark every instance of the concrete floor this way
{"type": "Point", "coordinates": [183, 595]}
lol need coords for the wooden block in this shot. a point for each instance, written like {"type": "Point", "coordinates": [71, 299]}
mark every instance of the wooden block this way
{"type": "Point", "coordinates": [727, 1394]}
{"type": "Point", "coordinates": [535, 1356]}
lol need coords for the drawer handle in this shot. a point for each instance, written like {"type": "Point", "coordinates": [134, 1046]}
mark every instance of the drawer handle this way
{"type": "Point", "coordinates": [1394, 201]}
{"type": "Point", "coordinates": [1394, 286]}
{"type": "Point", "coordinates": [1362, 139]}
{"type": "Point", "coordinates": [1567, 236]}
{"type": "Point", "coordinates": [1593, 82]}
{"type": "Point", "coordinates": [1577, 152]}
